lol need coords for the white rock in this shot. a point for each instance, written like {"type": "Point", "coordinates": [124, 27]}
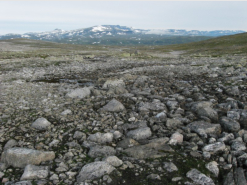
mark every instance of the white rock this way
{"type": "Point", "coordinates": [199, 178]}
{"type": "Point", "coordinates": [113, 106]}
{"type": "Point", "coordinates": [66, 112]}
{"type": "Point", "coordinates": [113, 83]}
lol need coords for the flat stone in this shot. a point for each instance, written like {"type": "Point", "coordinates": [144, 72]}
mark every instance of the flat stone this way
{"type": "Point", "coordinates": [35, 172]}
{"type": "Point", "coordinates": [113, 83]}
{"type": "Point", "coordinates": [41, 124]}
{"type": "Point", "coordinates": [101, 151]}
{"type": "Point", "coordinates": [94, 170]}
{"type": "Point", "coordinates": [203, 128]}
{"type": "Point", "coordinates": [20, 157]}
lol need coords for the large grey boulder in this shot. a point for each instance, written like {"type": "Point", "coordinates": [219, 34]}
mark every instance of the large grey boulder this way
{"type": "Point", "coordinates": [101, 138]}
{"type": "Point", "coordinates": [20, 157]}
{"type": "Point", "coordinates": [204, 109]}
{"type": "Point", "coordinates": [140, 133]}
{"type": "Point", "coordinates": [214, 147]}
{"type": "Point", "coordinates": [238, 145]}
{"type": "Point", "coordinates": [229, 125]}
{"type": "Point", "coordinates": [113, 106]}
{"type": "Point", "coordinates": [101, 151]}
{"type": "Point", "coordinates": [79, 93]}
{"type": "Point", "coordinates": [203, 128]}
{"type": "Point", "coordinates": [35, 172]}
{"type": "Point", "coordinates": [94, 170]}
{"type": "Point", "coordinates": [199, 178]}
{"type": "Point", "coordinates": [41, 124]}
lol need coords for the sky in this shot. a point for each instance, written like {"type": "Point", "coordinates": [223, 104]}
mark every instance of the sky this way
{"type": "Point", "coordinates": [38, 16]}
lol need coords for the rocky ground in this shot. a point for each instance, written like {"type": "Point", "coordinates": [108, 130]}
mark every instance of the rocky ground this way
{"type": "Point", "coordinates": [78, 119]}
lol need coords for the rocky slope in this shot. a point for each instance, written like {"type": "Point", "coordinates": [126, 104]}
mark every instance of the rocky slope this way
{"type": "Point", "coordinates": [88, 120]}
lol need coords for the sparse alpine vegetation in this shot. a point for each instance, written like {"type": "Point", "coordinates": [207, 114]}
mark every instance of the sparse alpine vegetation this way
{"type": "Point", "coordinates": [87, 114]}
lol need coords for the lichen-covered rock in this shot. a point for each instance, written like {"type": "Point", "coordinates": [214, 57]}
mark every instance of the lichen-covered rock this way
{"type": "Point", "coordinates": [229, 125]}
{"type": "Point", "coordinates": [114, 161]}
{"type": "Point", "coordinates": [176, 138]}
{"type": "Point", "coordinates": [170, 166]}
{"type": "Point", "coordinates": [213, 167]}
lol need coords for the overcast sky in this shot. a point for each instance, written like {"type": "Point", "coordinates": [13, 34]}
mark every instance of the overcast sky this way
{"type": "Point", "coordinates": [38, 16]}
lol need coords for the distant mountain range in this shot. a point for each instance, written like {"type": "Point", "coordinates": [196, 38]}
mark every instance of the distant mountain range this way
{"type": "Point", "coordinates": [115, 34]}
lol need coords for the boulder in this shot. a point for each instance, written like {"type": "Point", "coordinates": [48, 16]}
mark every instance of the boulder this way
{"type": "Point", "coordinates": [101, 138]}
{"type": "Point", "coordinates": [113, 106]}
{"type": "Point", "coordinates": [199, 178]}
{"type": "Point", "coordinates": [20, 157]}
{"type": "Point", "coordinates": [94, 170]}
{"type": "Point", "coordinates": [176, 138]}
{"type": "Point", "coordinates": [140, 133]}
{"type": "Point", "coordinates": [229, 125]}
{"type": "Point", "coordinates": [114, 161]}
{"type": "Point", "coordinates": [170, 167]}
{"type": "Point", "coordinates": [101, 151]}
{"type": "Point", "coordinates": [213, 167]}
{"type": "Point", "coordinates": [35, 172]}
{"type": "Point", "coordinates": [203, 128]}
{"type": "Point", "coordinates": [203, 109]}
{"type": "Point", "coordinates": [41, 124]}
{"type": "Point", "coordinates": [214, 147]}
{"type": "Point", "coordinates": [10, 144]}
{"type": "Point", "coordinates": [79, 93]}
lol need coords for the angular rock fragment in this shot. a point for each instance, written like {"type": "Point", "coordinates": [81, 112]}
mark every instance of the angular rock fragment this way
{"type": "Point", "coordinates": [114, 161]}
{"type": "Point", "coordinates": [20, 157]}
{"type": "Point", "coordinates": [10, 144]}
{"type": "Point", "coordinates": [41, 124]}
{"type": "Point", "coordinates": [214, 148]}
{"type": "Point", "coordinates": [35, 172]}
{"type": "Point", "coordinates": [170, 167]}
{"type": "Point", "coordinates": [113, 106]}
{"type": "Point", "coordinates": [199, 178]}
{"type": "Point", "coordinates": [94, 170]}
{"type": "Point", "coordinates": [213, 167]}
